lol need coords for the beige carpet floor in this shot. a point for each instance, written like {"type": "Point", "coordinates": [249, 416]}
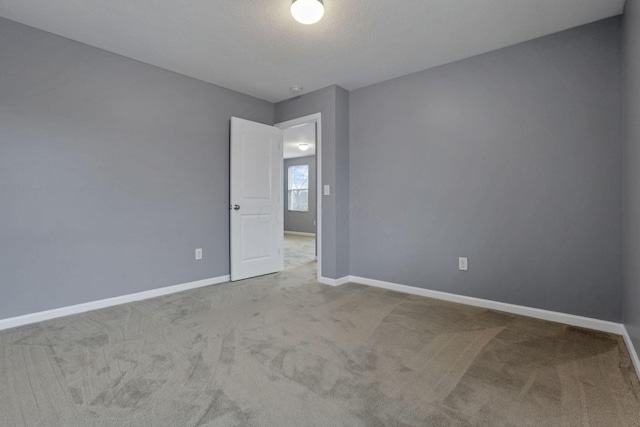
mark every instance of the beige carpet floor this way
{"type": "Point", "coordinates": [298, 251]}
{"type": "Point", "coordinates": [283, 350]}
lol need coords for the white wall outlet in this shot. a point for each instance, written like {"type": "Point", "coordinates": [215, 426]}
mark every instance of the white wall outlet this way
{"type": "Point", "coordinates": [199, 253]}
{"type": "Point", "coordinates": [462, 264]}
{"type": "Point", "coordinates": [327, 190]}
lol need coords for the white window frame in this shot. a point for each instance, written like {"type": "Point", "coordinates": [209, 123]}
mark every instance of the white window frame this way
{"type": "Point", "coordinates": [291, 190]}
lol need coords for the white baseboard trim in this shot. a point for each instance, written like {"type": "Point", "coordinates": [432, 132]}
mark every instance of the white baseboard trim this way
{"type": "Point", "coordinates": [632, 351]}
{"type": "Point", "coordinates": [334, 282]}
{"type": "Point", "coordinates": [553, 316]}
{"type": "Point", "coordinates": [300, 233]}
{"type": "Point", "coordinates": [26, 319]}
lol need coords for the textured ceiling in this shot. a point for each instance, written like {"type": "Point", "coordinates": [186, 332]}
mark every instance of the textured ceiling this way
{"type": "Point", "coordinates": [293, 136]}
{"type": "Point", "coordinates": [255, 46]}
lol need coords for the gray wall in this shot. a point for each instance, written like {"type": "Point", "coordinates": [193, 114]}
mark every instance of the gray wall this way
{"type": "Point", "coordinates": [111, 173]}
{"type": "Point", "coordinates": [512, 159]}
{"type": "Point", "coordinates": [302, 222]}
{"type": "Point", "coordinates": [632, 171]}
{"type": "Point", "coordinates": [332, 102]}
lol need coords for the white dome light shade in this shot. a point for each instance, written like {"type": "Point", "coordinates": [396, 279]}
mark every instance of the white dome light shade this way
{"type": "Point", "coordinates": [303, 146]}
{"type": "Point", "coordinates": [307, 11]}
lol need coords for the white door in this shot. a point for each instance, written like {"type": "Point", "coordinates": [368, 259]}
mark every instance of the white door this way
{"type": "Point", "coordinates": [256, 199]}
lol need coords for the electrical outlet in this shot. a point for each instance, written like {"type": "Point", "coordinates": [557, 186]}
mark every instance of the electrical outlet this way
{"type": "Point", "coordinates": [462, 264]}
{"type": "Point", "coordinates": [199, 253]}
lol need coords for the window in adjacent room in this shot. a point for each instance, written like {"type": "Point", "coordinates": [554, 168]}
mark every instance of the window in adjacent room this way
{"type": "Point", "coordinates": [299, 188]}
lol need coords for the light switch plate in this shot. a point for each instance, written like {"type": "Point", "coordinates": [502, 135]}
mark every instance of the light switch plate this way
{"type": "Point", "coordinates": [327, 190]}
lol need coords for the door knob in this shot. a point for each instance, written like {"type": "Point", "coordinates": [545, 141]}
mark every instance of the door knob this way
{"type": "Point", "coordinates": [236, 207]}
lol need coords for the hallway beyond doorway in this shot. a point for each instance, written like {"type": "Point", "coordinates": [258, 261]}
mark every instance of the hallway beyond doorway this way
{"type": "Point", "coordinates": [299, 250]}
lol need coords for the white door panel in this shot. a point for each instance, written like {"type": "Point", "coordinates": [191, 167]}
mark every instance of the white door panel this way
{"type": "Point", "coordinates": [256, 177]}
{"type": "Point", "coordinates": [256, 167]}
{"type": "Point", "coordinates": [256, 238]}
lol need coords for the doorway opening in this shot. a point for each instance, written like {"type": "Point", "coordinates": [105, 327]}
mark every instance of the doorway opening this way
{"type": "Point", "coordinates": [301, 205]}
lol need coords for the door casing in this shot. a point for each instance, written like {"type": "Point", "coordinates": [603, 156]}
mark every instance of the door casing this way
{"type": "Point", "coordinates": [317, 118]}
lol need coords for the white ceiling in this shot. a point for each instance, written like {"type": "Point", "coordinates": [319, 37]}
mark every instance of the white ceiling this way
{"type": "Point", "coordinates": [305, 133]}
{"type": "Point", "coordinates": [255, 46]}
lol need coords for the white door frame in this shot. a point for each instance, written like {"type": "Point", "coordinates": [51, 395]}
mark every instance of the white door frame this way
{"type": "Point", "coordinates": [317, 119]}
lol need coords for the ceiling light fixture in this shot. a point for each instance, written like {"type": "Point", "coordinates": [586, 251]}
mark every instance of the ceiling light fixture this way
{"type": "Point", "coordinates": [307, 11]}
{"type": "Point", "coordinates": [303, 147]}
